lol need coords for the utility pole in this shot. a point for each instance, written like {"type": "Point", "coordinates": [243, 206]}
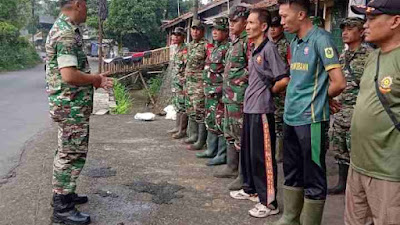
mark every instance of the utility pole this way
{"type": "Point", "coordinates": [195, 9]}
{"type": "Point", "coordinates": [179, 8]}
{"type": "Point", "coordinates": [103, 11]}
{"type": "Point", "coordinates": [33, 24]}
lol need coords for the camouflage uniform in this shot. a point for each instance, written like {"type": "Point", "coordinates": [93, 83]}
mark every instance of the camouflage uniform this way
{"type": "Point", "coordinates": [283, 46]}
{"type": "Point", "coordinates": [196, 57]}
{"type": "Point", "coordinates": [179, 80]}
{"type": "Point", "coordinates": [70, 106]}
{"type": "Point", "coordinates": [353, 67]}
{"type": "Point", "coordinates": [213, 79]}
{"type": "Point", "coordinates": [234, 86]}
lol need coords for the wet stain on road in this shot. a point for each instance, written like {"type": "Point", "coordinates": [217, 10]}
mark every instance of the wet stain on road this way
{"type": "Point", "coordinates": [162, 193]}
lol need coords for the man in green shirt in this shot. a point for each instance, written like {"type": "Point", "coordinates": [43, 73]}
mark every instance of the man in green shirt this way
{"type": "Point", "coordinates": [316, 77]}
{"type": "Point", "coordinates": [374, 176]}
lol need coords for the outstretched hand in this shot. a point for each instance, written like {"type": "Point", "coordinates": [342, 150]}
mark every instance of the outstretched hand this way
{"type": "Point", "coordinates": [103, 81]}
{"type": "Point", "coordinates": [106, 82]}
{"type": "Point", "coordinates": [334, 106]}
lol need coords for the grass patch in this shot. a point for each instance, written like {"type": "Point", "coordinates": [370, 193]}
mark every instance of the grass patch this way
{"type": "Point", "coordinates": [155, 85]}
{"type": "Point", "coordinates": [122, 99]}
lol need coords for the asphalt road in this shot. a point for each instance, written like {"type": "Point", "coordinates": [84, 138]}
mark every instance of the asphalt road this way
{"type": "Point", "coordinates": [23, 113]}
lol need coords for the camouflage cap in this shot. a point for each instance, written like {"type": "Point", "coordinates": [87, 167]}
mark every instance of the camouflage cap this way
{"type": "Point", "coordinates": [221, 23]}
{"type": "Point", "coordinates": [239, 11]}
{"type": "Point", "coordinates": [352, 22]}
{"type": "Point", "coordinates": [179, 31]}
{"type": "Point", "coordinates": [197, 24]}
{"type": "Point", "coordinates": [64, 2]}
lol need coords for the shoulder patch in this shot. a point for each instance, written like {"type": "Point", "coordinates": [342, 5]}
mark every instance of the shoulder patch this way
{"type": "Point", "coordinates": [329, 53]}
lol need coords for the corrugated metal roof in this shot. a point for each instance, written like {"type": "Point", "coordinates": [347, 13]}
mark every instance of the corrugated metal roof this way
{"type": "Point", "coordinates": [190, 14]}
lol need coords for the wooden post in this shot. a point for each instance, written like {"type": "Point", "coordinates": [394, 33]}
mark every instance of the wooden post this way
{"type": "Point", "coordinates": [100, 43]}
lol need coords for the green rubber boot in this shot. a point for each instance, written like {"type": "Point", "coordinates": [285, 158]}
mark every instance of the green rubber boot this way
{"type": "Point", "coordinates": [182, 127]}
{"type": "Point", "coordinates": [220, 158]}
{"type": "Point", "coordinates": [177, 125]}
{"type": "Point", "coordinates": [293, 199]}
{"type": "Point", "coordinates": [212, 146]}
{"type": "Point", "coordinates": [312, 212]}
{"type": "Point", "coordinates": [202, 138]}
{"type": "Point", "coordinates": [193, 132]}
{"type": "Point", "coordinates": [231, 168]}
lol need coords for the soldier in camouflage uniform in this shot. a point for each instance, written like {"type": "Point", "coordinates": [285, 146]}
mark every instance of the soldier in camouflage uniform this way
{"type": "Point", "coordinates": [352, 60]}
{"type": "Point", "coordinates": [234, 86]}
{"type": "Point", "coordinates": [283, 45]}
{"type": "Point", "coordinates": [70, 93]}
{"type": "Point", "coordinates": [213, 79]}
{"type": "Point", "coordinates": [198, 49]}
{"type": "Point", "coordinates": [179, 83]}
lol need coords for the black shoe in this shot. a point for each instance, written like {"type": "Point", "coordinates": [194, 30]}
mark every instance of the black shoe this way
{"type": "Point", "coordinates": [64, 211]}
{"type": "Point", "coordinates": [72, 217]}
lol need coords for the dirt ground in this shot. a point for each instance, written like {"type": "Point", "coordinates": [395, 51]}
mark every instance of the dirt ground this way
{"type": "Point", "coordinates": [135, 174]}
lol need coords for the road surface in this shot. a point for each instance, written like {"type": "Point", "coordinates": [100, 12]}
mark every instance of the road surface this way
{"type": "Point", "coordinates": [23, 113]}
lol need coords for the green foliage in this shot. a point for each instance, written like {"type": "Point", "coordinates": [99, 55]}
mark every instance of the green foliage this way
{"type": "Point", "coordinates": [15, 12]}
{"type": "Point", "coordinates": [8, 32]}
{"type": "Point", "coordinates": [122, 98]}
{"type": "Point", "coordinates": [17, 54]}
{"type": "Point", "coordinates": [155, 85]}
{"type": "Point", "coordinates": [136, 16]}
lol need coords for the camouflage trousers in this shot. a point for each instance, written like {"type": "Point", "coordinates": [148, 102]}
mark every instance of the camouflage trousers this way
{"type": "Point", "coordinates": [340, 143]}
{"type": "Point", "coordinates": [70, 157]}
{"type": "Point", "coordinates": [279, 100]}
{"type": "Point", "coordinates": [178, 89]}
{"type": "Point", "coordinates": [214, 123]}
{"type": "Point", "coordinates": [233, 124]}
{"type": "Point", "coordinates": [195, 104]}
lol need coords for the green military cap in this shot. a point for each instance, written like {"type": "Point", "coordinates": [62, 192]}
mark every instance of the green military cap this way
{"type": "Point", "coordinates": [197, 24]}
{"type": "Point", "coordinates": [221, 23]}
{"type": "Point", "coordinates": [352, 22]}
{"type": "Point", "coordinates": [239, 11]}
{"type": "Point", "coordinates": [179, 31]}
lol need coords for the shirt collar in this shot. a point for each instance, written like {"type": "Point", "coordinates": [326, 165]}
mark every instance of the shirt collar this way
{"type": "Point", "coordinates": [65, 18]}
{"type": "Point", "coordinates": [308, 35]}
{"type": "Point", "coordinates": [260, 47]}
{"type": "Point", "coordinates": [219, 43]}
{"type": "Point", "coordinates": [242, 35]}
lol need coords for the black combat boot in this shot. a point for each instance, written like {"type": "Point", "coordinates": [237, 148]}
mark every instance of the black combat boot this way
{"type": "Point", "coordinates": [64, 211]}
{"type": "Point", "coordinates": [76, 199]}
{"type": "Point", "coordinates": [341, 185]}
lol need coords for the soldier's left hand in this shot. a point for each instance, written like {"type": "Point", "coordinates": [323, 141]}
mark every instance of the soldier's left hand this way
{"type": "Point", "coordinates": [106, 82]}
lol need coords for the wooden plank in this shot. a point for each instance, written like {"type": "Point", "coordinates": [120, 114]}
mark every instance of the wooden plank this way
{"type": "Point", "coordinates": [147, 89]}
